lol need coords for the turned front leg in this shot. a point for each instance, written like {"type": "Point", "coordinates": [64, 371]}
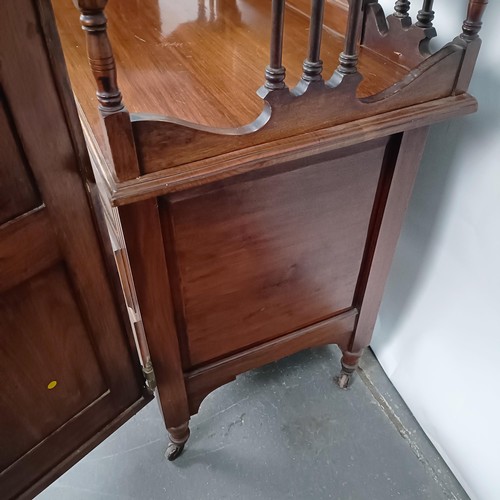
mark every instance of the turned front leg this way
{"type": "Point", "coordinates": [178, 437]}
{"type": "Point", "coordinates": [350, 361]}
{"type": "Point", "coordinates": [143, 235]}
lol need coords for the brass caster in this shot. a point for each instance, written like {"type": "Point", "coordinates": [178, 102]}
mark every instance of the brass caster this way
{"type": "Point", "coordinates": [344, 380]}
{"type": "Point", "coordinates": [173, 451]}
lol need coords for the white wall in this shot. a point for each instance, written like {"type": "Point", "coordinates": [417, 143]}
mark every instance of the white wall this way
{"type": "Point", "coordinates": [438, 331]}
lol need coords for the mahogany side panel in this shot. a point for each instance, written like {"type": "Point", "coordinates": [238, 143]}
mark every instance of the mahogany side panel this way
{"type": "Point", "coordinates": [262, 257]}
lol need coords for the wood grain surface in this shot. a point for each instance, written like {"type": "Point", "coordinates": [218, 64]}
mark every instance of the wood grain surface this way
{"type": "Point", "coordinates": [66, 366]}
{"type": "Point", "coordinates": [263, 257]}
{"type": "Point", "coordinates": [198, 64]}
{"type": "Point", "coordinates": [18, 193]}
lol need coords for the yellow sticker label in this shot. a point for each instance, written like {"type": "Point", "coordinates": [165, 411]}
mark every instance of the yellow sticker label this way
{"type": "Point", "coordinates": [52, 384]}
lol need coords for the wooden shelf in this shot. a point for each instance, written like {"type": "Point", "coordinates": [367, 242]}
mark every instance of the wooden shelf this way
{"type": "Point", "coordinates": [201, 64]}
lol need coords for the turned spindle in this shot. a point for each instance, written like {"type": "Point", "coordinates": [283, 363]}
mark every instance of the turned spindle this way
{"type": "Point", "coordinates": [472, 24]}
{"type": "Point", "coordinates": [100, 54]}
{"type": "Point", "coordinates": [348, 59]}
{"type": "Point", "coordinates": [275, 72]}
{"type": "Point", "coordinates": [211, 10]}
{"type": "Point", "coordinates": [425, 16]}
{"type": "Point", "coordinates": [202, 11]}
{"type": "Point", "coordinates": [313, 65]}
{"type": "Point", "coordinates": [115, 117]}
{"type": "Point", "coordinates": [401, 8]}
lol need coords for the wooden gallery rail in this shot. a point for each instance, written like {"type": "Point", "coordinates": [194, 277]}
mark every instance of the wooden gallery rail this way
{"type": "Point", "coordinates": [249, 242]}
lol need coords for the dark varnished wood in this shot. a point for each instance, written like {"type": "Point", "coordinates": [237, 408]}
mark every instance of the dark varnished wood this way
{"type": "Point", "coordinates": [351, 353]}
{"type": "Point", "coordinates": [194, 64]}
{"type": "Point", "coordinates": [117, 256]}
{"type": "Point", "coordinates": [26, 248]}
{"type": "Point", "coordinates": [402, 9]}
{"type": "Point", "coordinates": [118, 141]}
{"type": "Point", "coordinates": [348, 59]}
{"type": "Point", "coordinates": [473, 21]}
{"type": "Point", "coordinates": [313, 65]}
{"type": "Point", "coordinates": [243, 268]}
{"type": "Point", "coordinates": [142, 232]}
{"type": "Point", "coordinates": [161, 143]}
{"type": "Point", "coordinates": [59, 320]}
{"type": "Point", "coordinates": [321, 105]}
{"type": "Point", "coordinates": [100, 54]}
{"type": "Point", "coordinates": [334, 13]}
{"type": "Point", "coordinates": [425, 15]}
{"type": "Point", "coordinates": [170, 136]}
{"type": "Point", "coordinates": [391, 208]}
{"type": "Point", "coordinates": [266, 155]}
{"type": "Point", "coordinates": [60, 350]}
{"type": "Point", "coordinates": [471, 42]}
{"type": "Point", "coordinates": [202, 381]}
{"type": "Point", "coordinates": [275, 233]}
{"type": "Point", "coordinates": [250, 242]}
{"type": "Point", "coordinates": [18, 192]}
{"type": "Point", "coordinates": [395, 37]}
{"type": "Point", "coordinates": [275, 71]}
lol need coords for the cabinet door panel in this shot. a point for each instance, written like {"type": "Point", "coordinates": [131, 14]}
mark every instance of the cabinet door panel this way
{"type": "Point", "coordinates": [69, 375]}
{"type": "Point", "coordinates": [17, 191]}
{"type": "Point", "coordinates": [44, 326]}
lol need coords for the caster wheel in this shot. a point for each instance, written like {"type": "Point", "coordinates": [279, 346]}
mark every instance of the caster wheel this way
{"type": "Point", "coordinates": [344, 380]}
{"type": "Point", "coordinates": [173, 451]}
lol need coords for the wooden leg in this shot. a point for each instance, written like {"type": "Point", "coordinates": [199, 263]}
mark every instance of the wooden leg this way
{"type": "Point", "coordinates": [178, 437]}
{"type": "Point", "coordinates": [349, 362]}
{"type": "Point", "coordinates": [143, 236]}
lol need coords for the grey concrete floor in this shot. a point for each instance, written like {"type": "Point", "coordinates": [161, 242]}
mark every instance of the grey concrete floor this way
{"type": "Point", "coordinates": [284, 431]}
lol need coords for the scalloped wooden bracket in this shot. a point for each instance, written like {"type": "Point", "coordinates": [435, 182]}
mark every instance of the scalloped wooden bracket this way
{"type": "Point", "coordinates": [395, 37]}
{"type": "Point", "coordinates": [163, 142]}
{"type": "Point", "coordinates": [150, 143]}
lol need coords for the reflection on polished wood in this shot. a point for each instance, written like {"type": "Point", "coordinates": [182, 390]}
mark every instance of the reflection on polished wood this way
{"type": "Point", "coordinates": [251, 227]}
{"type": "Point", "coordinates": [234, 247]}
{"type": "Point", "coordinates": [200, 63]}
{"type": "Point", "coordinates": [250, 243]}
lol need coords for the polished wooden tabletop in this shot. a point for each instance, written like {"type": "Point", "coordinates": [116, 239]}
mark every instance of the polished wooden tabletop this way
{"type": "Point", "coordinates": [201, 61]}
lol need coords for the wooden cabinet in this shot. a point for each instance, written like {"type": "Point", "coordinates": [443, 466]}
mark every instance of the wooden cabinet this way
{"type": "Point", "coordinates": [241, 227]}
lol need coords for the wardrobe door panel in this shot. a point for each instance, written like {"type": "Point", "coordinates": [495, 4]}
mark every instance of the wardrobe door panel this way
{"type": "Point", "coordinates": [69, 375]}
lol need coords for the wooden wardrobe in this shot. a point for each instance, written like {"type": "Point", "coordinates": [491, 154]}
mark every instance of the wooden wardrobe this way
{"type": "Point", "coordinates": [206, 211]}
